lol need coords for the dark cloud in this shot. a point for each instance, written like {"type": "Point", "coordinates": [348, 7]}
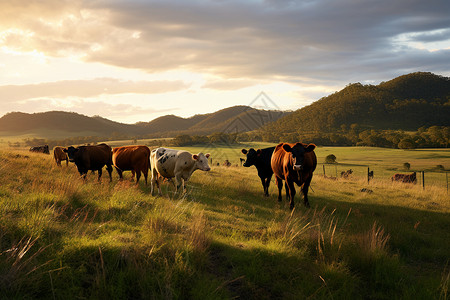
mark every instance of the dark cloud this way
{"type": "Point", "coordinates": [317, 40]}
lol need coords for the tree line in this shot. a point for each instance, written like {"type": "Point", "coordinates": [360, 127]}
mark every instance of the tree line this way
{"type": "Point", "coordinates": [353, 135]}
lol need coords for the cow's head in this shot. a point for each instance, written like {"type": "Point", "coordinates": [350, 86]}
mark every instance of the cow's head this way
{"type": "Point", "coordinates": [201, 161]}
{"type": "Point", "coordinates": [71, 152]}
{"type": "Point", "coordinates": [252, 156]}
{"type": "Point", "coordinates": [298, 154]}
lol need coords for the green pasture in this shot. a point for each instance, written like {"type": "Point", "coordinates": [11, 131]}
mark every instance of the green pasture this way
{"type": "Point", "coordinates": [61, 237]}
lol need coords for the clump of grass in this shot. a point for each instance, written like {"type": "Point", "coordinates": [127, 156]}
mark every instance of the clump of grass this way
{"type": "Point", "coordinates": [375, 240]}
{"type": "Point", "coordinates": [445, 282]}
{"type": "Point", "coordinates": [19, 263]}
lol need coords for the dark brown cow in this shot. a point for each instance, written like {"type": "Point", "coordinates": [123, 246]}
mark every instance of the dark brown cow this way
{"type": "Point", "coordinates": [59, 155]}
{"type": "Point", "coordinates": [91, 158]}
{"type": "Point", "coordinates": [294, 163]}
{"type": "Point", "coordinates": [346, 174]}
{"type": "Point", "coordinates": [132, 158]}
{"type": "Point", "coordinates": [40, 149]}
{"type": "Point", "coordinates": [407, 178]}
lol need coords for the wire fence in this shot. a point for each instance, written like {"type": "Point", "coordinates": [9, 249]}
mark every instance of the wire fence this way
{"type": "Point", "coordinates": [424, 178]}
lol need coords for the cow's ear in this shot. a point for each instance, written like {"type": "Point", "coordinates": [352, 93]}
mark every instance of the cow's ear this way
{"type": "Point", "coordinates": [287, 148]}
{"type": "Point", "coordinates": [195, 156]}
{"type": "Point", "coordinates": [207, 155]}
{"type": "Point", "coordinates": [258, 152]}
{"type": "Point", "coordinates": [65, 150]}
{"type": "Point", "coordinates": [310, 147]}
{"type": "Point", "coordinates": [244, 151]}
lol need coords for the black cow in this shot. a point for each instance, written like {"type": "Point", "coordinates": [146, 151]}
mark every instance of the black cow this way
{"type": "Point", "coordinates": [40, 149]}
{"type": "Point", "coordinates": [261, 160]}
{"type": "Point", "coordinates": [91, 158]}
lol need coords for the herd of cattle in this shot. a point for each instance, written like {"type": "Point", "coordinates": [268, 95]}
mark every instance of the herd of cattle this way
{"type": "Point", "coordinates": [290, 162]}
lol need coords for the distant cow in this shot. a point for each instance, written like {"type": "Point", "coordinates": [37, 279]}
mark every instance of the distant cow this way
{"type": "Point", "coordinates": [40, 149]}
{"type": "Point", "coordinates": [261, 160]}
{"type": "Point", "coordinates": [294, 163]}
{"type": "Point", "coordinates": [226, 163]}
{"type": "Point", "coordinates": [132, 158]}
{"type": "Point", "coordinates": [370, 174]}
{"type": "Point", "coordinates": [92, 158]}
{"type": "Point", "coordinates": [407, 178]}
{"type": "Point", "coordinates": [178, 164]}
{"type": "Point", "coordinates": [59, 155]}
{"type": "Point", "coordinates": [346, 174]}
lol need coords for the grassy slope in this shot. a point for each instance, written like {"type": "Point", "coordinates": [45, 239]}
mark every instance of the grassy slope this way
{"type": "Point", "coordinates": [62, 238]}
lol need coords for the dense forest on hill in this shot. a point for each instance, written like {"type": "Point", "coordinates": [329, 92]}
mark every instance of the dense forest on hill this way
{"type": "Point", "coordinates": [407, 112]}
{"type": "Point", "coordinates": [405, 103]}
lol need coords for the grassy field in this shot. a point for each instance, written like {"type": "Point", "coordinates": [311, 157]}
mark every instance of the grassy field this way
{"type": "Point", "coordinates": [61, 237]}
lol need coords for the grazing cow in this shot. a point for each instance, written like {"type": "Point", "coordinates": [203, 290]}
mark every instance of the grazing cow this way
{"type": "Point", "coordinates": [406, 178]}
{"type": "Point", "coordinates": [261, 160]}
{"type": "Point", "coordinates": [40, 149]}
{"type": "Point", "coordinates": [346, 174]}
{"type": "Point", "coordinates": [178, 164]}
{"type": "Point", "coordinates": [59, 155]}
{"type": "Point", "coordinates": [132, 158]}
{"type": "Point", "coordinates": [91, 158]}
{"type": "Point", "coordinates": [294, 163]}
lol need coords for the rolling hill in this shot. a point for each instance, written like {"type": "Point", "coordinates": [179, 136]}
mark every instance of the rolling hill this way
{"type": "Point", "coordinates": [407, 102]}
{"type": "Point", "coordinates": [232, 119]}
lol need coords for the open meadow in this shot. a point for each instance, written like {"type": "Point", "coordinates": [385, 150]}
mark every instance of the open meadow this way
{"type": "Point", "coordinates": [63, 238]}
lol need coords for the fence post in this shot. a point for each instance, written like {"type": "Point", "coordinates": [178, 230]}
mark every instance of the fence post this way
{"type": "Point", "coordinates": [324, 171]}
{"type": "Point", "coordinates": [446, 177]}
{"type": "Point", "coordinates": [423, 179]}
{"type": "Point", "coordinates": [335, 168]}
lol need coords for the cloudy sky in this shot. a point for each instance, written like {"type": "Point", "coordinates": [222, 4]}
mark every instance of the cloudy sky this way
{"type": "Point", "coordinates": [135, 60]}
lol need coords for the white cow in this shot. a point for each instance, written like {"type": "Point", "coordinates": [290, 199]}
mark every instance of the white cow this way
{"type": "Point", "coordinates": [178, 164]}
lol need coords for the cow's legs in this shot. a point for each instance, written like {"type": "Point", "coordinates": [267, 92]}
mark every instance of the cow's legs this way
{"type": "Point", "coordinates": [179, 182]}
{"type": "Point", "coordinates": [119, 171]}
{"type": "Point", "coordinates": [99, 173]}
{"type": "Point", "coordinates": [109, 169]}
{"type": "Point", "coordinates": [286, 187]}
{"type": "Point", "coordinates": [263, 182]}
{"type": "Point", "coordinates": [266, 187]}
{"type": "Point", "coordinates": [291, 187]}
{"type": "Point", "coordinates": [155, 180]}
{"type": "Point", "coordinates": [138, 176]}
{"type": "Point", "coordinates": [279, 182]}
{"type": "Point", "coordinates": [145, 171]}
{"type": "Point", "coordinates": [305, 188]}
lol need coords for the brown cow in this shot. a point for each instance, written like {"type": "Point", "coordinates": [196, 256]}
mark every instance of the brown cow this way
{"type": "Point", "coordinates": [346, 174]}
{"type": "Point", "coordinates": [406, 178]}
{"type": "Point", "coordinates": [59, 155]}
{"type": "Point", "coordinates": [132, 158]}
{"type": "Point", "coordinates": [294, 163]}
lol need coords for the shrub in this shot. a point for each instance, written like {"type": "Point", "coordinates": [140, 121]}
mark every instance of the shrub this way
{"type": "Point", "coordinates": [330, 159]}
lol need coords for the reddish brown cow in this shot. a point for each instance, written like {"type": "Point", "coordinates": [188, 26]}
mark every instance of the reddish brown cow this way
{"type": "Point", "coordinates": [59, 155]}
{"type": "Point", "coordinates": [407, 178]}
{"type": "Point", "coordinates": [294, 163]}
{"type": "Point", "coordinates": [132, 158]}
